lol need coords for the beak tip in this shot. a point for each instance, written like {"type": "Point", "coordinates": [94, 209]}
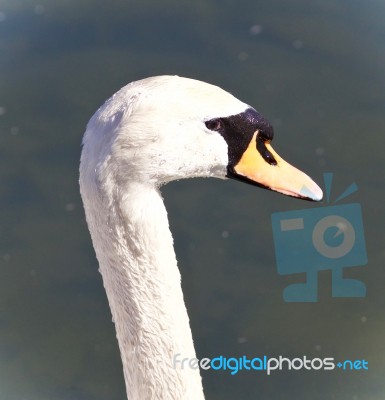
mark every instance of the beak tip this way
{"type": "Point", "coordinates": [314, 192]}
{"type": "Point", "coordinates": [319, 196]}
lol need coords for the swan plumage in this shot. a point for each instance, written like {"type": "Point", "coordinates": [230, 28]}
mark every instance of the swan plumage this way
{"type": "Point", "coordinates": [149, 133]}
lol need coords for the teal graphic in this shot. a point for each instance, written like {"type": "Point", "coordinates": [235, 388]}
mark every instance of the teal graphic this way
{"type": "Point", "coordinates": [316, 239]}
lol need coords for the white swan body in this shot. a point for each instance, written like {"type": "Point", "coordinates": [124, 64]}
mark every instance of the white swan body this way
{"type": "Point", "coordinates": [151, 132]}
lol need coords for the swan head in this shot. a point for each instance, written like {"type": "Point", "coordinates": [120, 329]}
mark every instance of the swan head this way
{"type": "Point", "coordinates": [166, 128]}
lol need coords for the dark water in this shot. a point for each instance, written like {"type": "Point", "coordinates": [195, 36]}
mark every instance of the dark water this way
{"type": "Point", "coordinates": [315, 69]}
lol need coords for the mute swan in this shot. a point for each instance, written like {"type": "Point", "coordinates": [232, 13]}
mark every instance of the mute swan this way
{"type": "Point", "coordinates": [149, 133]}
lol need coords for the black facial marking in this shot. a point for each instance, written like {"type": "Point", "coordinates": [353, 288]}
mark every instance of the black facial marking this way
{"type": "Point", "coordinates": [264, 152]}
{"type": "Point", "coordinates": [238, 131]}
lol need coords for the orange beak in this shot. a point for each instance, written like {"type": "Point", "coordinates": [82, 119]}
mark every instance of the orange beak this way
{"type": "Point", "coordinates": [279, 175]}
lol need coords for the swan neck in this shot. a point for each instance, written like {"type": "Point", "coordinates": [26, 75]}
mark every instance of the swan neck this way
{"type": "Point", "coordinates": [135, 250]}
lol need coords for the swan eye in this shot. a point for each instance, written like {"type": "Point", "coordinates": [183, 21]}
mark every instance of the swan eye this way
{"type": "Point", "coordinates": [214, 124]}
